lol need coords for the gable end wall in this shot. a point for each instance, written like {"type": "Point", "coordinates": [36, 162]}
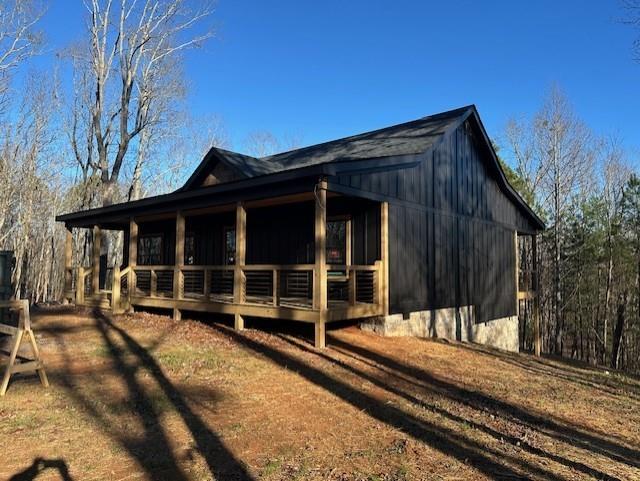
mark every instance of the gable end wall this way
{"type": "Point", "coordinates": [451, 230]}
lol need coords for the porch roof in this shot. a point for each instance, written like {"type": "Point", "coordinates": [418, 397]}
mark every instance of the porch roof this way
{"type": "Point", "coordinates": [274, 185]}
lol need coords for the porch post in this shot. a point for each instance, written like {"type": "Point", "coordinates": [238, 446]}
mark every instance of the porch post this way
{"type": "Point", "coordinates": [80, 286]}
{"type": "Point", "coordinates": [115, 290]}
{"type": "Point", "coordinates": [384, 256]}
{"type": "Point", "coordinates": [320, 301]}
{"type": "Point", "coordinates": [179, 263]}
{"type": "Point", "coordinates": [240, 259]}
{"type": "Point", "coordinates": [68, 264]}
{"type": "Point", "coordinates": [133, 260]}
{"type": "Point", "coordinates": [95, 273]}
{"type": "Point", "coordinates": [536, 299]}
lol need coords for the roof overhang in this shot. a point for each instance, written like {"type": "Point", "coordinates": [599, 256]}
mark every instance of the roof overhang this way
{"type": "Point", "coordinates": [271, 185]}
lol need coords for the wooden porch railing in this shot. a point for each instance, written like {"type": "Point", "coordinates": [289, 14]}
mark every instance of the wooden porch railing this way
{"type": "Point", "coordinates": [527, 282]}
{"type": "Point", "coordinates": [83, 283]}
{"type": "Point", "coordinates": [261, 284]}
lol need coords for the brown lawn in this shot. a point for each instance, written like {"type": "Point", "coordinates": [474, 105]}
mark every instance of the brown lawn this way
{"type": "Point", "coordinates": [144, 397]}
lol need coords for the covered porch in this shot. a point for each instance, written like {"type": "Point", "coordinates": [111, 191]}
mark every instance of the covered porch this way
{"type": "Point", "coordinates": [314, 256]}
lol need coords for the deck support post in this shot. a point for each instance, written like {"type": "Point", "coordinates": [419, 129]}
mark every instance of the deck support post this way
{"type": "Point", "coordinates": [68, 265]}
{"type": "Point", "coordinates": [536, 299]}
{"type": "Point", "coordinates": [133, 260]}
{"type": "Point", "coordinates": [178, 263]}
{"type": "Point", "coordinates": [320, 297]}
{"type": "Point", "coordinates": [95, 273]}
{"type": "Point", "coordinates": [240, 260]}
{"type": "Point", "coordinates": [384, 257]}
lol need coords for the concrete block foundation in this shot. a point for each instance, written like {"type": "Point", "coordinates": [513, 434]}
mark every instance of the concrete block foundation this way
{"type": "Point", "coordinates": [455, 324]}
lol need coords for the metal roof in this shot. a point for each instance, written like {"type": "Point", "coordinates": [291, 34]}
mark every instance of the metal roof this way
{"type": "Point", "coordinates": [396, 144]}
{"type": "Point", "coordinates": [408, 138]}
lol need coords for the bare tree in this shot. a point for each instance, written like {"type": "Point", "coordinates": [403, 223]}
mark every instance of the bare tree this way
{"type": "Point", "coordinates": [19, 38]}
{"type": "Point", "coordinates": [555, 153]}
{"type": "Point", "coordinates": [167, 164]}
{"type": "Point", "coordinates": [30, 193]}
{"type": "Point", "coordinates": [262, 143]}
{"type": "Point", "coordinates": [133, 67]}
{"type": "Point", "coordinates": [615, 175]}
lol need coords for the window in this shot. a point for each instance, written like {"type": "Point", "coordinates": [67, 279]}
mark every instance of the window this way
{"type": "Point", "coordinates": [150, 249]}
{"type": "Point", "coordinates": [337, 241]}
{"type": "Point", "coordinates": [190, 249]}
{"type": "Point", "coordinates": [229, 246]}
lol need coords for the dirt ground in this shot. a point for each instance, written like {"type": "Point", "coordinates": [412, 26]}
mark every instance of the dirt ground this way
{"type": "Point", "coordinates": [144, 397]}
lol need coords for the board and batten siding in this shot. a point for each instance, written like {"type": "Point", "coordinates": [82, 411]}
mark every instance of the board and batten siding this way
{"type": "Point", "coordinates": [451, 229]}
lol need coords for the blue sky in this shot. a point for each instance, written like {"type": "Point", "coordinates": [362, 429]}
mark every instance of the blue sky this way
{"type": "Point", "coordinates": [325, 69]}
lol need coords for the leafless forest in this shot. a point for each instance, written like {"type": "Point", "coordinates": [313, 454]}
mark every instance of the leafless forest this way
{"type": "Point", "coordinates": [109, 123]}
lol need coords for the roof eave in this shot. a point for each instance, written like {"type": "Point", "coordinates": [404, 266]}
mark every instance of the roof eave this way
{"type": "Point", "coordinates": [179, 195]}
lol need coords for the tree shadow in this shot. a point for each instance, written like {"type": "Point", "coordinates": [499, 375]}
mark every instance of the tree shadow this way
{"type": "Point", "coordinates": [221, 462]}
{"type": "Point", "coordinates": [477, 400]}
{"type": "Point", "coordinates": [493, 463]}
{"type": "Point", "coordinates": [41, 465]}
{"type": "Point", "coordinates": [403, 392]}
{"type": "Point", "coordinates": [153, 450]}
{"type": "Point", "coordinates": [579, 373]}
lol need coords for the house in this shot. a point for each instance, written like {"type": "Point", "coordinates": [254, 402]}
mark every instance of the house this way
{"type": "Point", "coordinates": [412, 229]}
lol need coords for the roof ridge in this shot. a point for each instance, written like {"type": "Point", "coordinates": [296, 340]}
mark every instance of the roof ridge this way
{"type": "Point", "coordinates": [446, 113]}
{"type": "Point", "coordinates": [221, 149]}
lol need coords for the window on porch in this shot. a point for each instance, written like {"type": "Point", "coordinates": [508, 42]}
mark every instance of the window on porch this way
{"type": "Point", "coordinates": [337, 242]}
{"type": "Point", "coordinates": [229, 246]}
{"type": "Point", "coordinates": [189, 249]}
{"type": "Point", "coordinates": [150, 249]}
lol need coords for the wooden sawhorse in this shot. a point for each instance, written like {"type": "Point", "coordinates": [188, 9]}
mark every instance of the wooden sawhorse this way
{"type": "Point", "coordinates": [17, 336]}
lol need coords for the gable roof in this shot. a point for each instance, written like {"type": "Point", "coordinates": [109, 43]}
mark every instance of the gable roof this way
{"type": "Point", "coordinates": [396, 147]}
{"type": "Point", "coordinates": [408, 138]}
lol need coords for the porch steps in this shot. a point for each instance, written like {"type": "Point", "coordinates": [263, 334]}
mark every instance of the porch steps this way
{"type": "Point", "coordinates": [101, 301]}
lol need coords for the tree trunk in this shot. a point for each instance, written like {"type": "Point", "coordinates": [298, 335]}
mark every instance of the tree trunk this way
{"type": "Point", "coordinates": [556, 280]}
{"type": "Point", "coordinates": [617, 334]}
{"type": "Point", "coordinates": [607, 300]}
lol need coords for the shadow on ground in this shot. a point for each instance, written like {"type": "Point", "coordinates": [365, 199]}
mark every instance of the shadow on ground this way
{"type": "Point", "coordinates": [569, 451]}
{"type": "Point", "coordinates": [153, 450]}
{"type": "Point", "coordinates": [40, 466]}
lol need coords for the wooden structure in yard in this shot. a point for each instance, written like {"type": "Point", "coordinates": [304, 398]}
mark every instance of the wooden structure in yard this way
{"type": "Point", "coordinates": [6, 288]}
{"type": "Point", "coordinates": [414, 217]}
{"type": "Point", "coordinates": [22, 333]}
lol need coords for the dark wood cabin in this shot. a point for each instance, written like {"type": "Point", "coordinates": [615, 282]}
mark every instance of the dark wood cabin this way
{"type": "Point", "coordinates": [417, 217]}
